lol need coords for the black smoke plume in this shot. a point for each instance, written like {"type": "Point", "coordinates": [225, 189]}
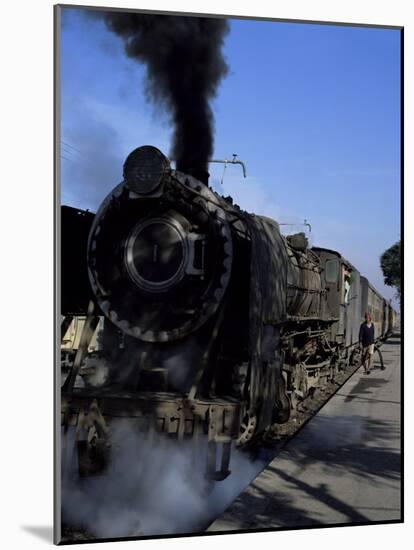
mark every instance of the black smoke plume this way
{"type": "Point", "coordinates": [184, 68]}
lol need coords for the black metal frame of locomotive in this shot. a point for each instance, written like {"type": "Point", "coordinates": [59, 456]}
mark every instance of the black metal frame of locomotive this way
{"type": "Point", "coordinates": [215, 323]}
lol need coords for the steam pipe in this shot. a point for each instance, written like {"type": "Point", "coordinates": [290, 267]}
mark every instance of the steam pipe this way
{"type": "Point", "coordinates": [305, 222]}
{"type": "Point", "coordinates": [226, 161]}
{"type": "Point", "coordinates": [233, 161]}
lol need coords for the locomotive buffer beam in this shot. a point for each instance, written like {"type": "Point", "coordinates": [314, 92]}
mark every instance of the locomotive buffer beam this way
{"type": "Point", "coordinates": [178, 418]}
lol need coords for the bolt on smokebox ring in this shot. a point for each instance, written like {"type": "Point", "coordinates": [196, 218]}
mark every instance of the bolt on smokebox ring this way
{"type": "Point", "coordinates": [144, 169]}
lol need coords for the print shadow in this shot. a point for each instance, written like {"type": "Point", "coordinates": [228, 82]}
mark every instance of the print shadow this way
{"type": "Point", "coordinates": [43, 532]}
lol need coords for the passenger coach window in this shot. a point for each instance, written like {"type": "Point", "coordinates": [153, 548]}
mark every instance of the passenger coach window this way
{"type": "Point", "coordinates": [331, 271]}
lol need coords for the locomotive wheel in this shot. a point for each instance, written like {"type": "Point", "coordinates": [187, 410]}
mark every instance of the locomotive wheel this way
{"type": "Point", "coordinates": [247, 428]}
{"type": "Point", "coordinates": [281, 412]}
{"type": "Point", "coordinates": [342, 361]}
{"type": "Point", "coordinates": [294, 400]}
{"type": "Point", "coordinates": [355, 357]}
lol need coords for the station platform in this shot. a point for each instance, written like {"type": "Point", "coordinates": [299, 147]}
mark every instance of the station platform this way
{"type": "Point", "coordinates": [344, 465]}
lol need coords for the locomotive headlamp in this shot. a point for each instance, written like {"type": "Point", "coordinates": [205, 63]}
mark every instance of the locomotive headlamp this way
{"type": "Point", "coordinates": [144, 169]}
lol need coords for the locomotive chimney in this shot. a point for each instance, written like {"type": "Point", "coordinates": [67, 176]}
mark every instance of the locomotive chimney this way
{"type": "Point", "coordinates": [201, 175]}
{"type": "Point", "coordinates": [197, 170]}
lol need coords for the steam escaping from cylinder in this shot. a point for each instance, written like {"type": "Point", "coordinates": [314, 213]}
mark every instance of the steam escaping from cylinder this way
{"type": "Point", "coordinates": [185, 65]}
{"type": "Point", "coordinates": [153, 486]}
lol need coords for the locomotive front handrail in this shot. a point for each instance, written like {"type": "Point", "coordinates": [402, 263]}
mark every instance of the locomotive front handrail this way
{"type": "Point", "coordinates": [226, 161]}
{"type": "Point", "coordinates": [233, 161]}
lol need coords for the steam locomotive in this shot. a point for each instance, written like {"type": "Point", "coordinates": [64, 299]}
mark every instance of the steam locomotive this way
{"type": "Point", "coordinates": [197, 318]}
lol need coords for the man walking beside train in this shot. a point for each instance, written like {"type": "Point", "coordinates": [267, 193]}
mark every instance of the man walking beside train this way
{"type": "Point", "coordinates": [366, 341]}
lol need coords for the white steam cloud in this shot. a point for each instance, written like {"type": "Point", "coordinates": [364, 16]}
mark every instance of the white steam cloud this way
{"type": "Point", "coordinates": [150, 488]}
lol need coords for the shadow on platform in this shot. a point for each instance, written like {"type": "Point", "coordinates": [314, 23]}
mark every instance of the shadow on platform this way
{"type": "Point", "coordinates": [361, 456]}
{"type": "Point", "coordinates": [393, 340]}
{"type": "Point", "coordinates": [364, 386]}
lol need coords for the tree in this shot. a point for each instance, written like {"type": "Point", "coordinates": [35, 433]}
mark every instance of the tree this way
{"type": "Point", "coordinates": [391, 267]}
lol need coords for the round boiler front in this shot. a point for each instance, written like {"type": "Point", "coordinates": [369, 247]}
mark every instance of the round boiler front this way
{"type": "Point", "coordinates": [156, 253]}
{"type": "Point", "coordinates": [159, 266]}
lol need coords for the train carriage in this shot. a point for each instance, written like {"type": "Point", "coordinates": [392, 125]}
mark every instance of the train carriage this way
{"type": "Point", "coordinates": [392, 319]}
{"type": "Point", "coordinates": [342, 296]}
{"type": "Point", "coordinates": [372, 302]}
{"type": "Point", "coordinates": [385, 318]}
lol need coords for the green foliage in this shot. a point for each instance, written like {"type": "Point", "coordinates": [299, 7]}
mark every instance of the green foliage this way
{"type": "Point", "coordinates": [391, 266]}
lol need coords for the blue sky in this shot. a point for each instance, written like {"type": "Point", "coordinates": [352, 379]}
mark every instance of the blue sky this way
{"type": "Point", "coordinates": [313, 111]}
